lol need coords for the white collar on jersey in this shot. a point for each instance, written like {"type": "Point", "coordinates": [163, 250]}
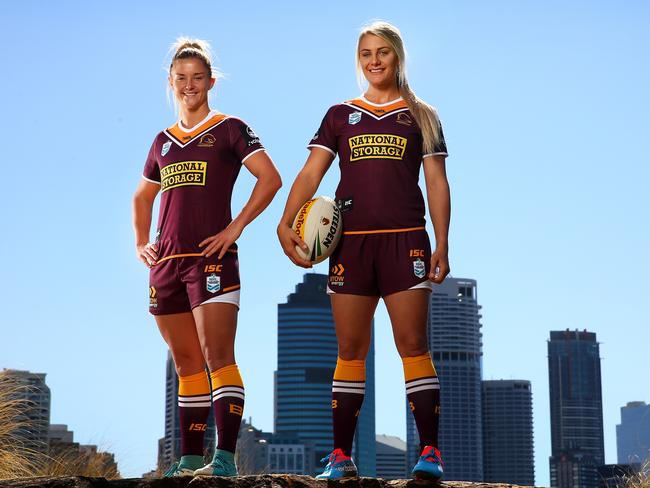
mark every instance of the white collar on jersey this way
{"type": "Point", "coordinates": [211, 114]}
{"type": "Point", "coordinates": [362, 97]}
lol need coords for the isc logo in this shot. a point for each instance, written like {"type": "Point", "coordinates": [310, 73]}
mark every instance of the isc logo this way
{"type": "Point", "coordinates": [199, 427]}
{"type": "Point", "coordinates": [213, 268]}
{"type": "Point", "coordinates": [416, 253]}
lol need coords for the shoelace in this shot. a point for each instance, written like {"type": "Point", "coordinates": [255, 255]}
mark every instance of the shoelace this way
{"type": "Point", "coordinates": [218, 462]}
{"type": "Point", "coordinates": [433, 455]}
{"type": "Point", "coordinates": [171, 470]}
{"type": "Point", "coordinates": [328, 458]}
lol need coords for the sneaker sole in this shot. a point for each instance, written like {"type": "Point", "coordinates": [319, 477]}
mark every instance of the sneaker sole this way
{"type": "Point", "coordinates": [425, 476]}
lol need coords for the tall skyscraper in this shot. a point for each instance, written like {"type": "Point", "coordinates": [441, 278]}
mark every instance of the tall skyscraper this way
{"type": "Point", "coordinates": [454, 331]}
{"type": "Point", "coordinates": [508, 455]}
{"type": "Point", "coordinates": [633, 434]}
{"type": "Point", "coordinates": [577, 446]}
{"type": "Point", "coordinates": [307, 352]}
{"type": "Point", "coordinates": [169, 447]}
{"type": "Point", "coordinates": [34, 394]}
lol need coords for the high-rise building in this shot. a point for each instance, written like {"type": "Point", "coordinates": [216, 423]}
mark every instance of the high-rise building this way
{"type": "Point", "coordinates": [169, 447]}
{"type": "Point", "coordinates": [307, 352]}
{"type": "Point", "coordinates": [633, 434]}
{"type": "Point", "coordinates": [34, 396]}
{"type": "Point", "coordinates": [391, 458]}
{"type": "Point", "coordinates": [508, 455]}
{"type": "Point", "coordinates": [454, 331]}
{"type": "Point", "coordinates": [252, 449]}
{"type": "Point", "coordinates": [60, 440]}
{"type": "Point", "coordinates": [577, 446]}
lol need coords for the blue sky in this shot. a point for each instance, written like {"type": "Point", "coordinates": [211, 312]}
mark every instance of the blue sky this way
{"type": "Point", "coordinates": [545, 107]}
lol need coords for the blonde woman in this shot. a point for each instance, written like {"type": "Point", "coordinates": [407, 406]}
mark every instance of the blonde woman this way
{"type": "Point", "coordinates": [382, 139]}
{"type": "Point", "coordinates": [193, 261]}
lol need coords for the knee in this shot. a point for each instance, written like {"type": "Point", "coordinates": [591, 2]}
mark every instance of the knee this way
{"type": "Point", "coordinates": [411, 346]}
{"type": "Point", "coordinates": [219, 356]}
{"type": "Point", "coordinates": [187, 364]}
{"type": "Point", "coordinates": [351, 351]}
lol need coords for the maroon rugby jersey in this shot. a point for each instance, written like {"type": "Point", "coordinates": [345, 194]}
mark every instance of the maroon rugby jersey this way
{"type": "Point", "coordinates": [380, 154]}
{"type": "Point", "coordinates": [197, 170]}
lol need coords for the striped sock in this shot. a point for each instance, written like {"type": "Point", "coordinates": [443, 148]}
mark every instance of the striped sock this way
{"type": "Point", "coordinates": [193, 411]}
{"type": "Point", "coordinates": [228, 399]}
{"type": "Point", "coordinates": [423, 393]}
{"type": "Point", "coordinates": [348, 389]}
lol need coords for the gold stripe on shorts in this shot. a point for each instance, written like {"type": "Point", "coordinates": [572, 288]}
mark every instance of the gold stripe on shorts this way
{"type": "Point", "coordinates": [383, 231]}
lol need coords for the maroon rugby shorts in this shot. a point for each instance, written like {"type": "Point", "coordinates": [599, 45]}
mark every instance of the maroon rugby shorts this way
{"type": "Point", "coordinates": [378, 264]}
{"type": "Point", "coordinates": [180, 284]}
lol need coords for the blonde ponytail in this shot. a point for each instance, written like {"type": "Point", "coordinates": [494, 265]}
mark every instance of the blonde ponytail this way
{"type": "Point", "coordinates": [425, 115]}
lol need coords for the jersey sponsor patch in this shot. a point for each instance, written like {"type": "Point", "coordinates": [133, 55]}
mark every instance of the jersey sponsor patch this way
{"type": "Point", "coordinates": [336, 277]}
{"type": "Point", "coordinates": [153, 299]}
{"type": "Point", "coordinates": [207, 140]}
{"type": "Point", "coordinates": [183, 173]}
{"type": "Point", "coordinates": [418, 268]}
{"type": "Point", "coordinates": [404, 119]}
{"type": "Point", "coordinates": [374, 146]}
{"type": "Point", "coordinates": [213, 283]}
{"type": "Point", "coordinates": [249, 135]}
{"type": "Point", "coordinates": [165, 148]}
{"type": "Point", "coordinates": [354, 118]}
{"type": "Point", "coordinates": [345, 204]}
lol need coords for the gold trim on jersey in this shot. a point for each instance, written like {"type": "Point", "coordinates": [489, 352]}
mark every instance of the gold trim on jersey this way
{"type": "Point", "coordinates": [381, 231]}
{"type": "Point", "coordinates": [189, 255]}
{"type": "Point", "coordinates": [183, 138]}
{"type": "Point", "coordinates": [377, 112]}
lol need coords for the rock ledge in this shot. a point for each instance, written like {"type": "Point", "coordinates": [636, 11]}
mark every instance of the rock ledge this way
{"type": "Point", "coordinates": [260, 481]}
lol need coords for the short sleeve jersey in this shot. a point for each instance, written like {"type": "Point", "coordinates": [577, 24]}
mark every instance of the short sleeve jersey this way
{"type": "Point", "coordinates": [380, 155]}
{"type": "Point", "coordinates": [196, 170]}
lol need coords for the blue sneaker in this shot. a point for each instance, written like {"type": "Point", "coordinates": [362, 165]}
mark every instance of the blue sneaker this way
{"type": "Point", "coordinates": [429, 466]}
{"type": "Point", "coordinates": [223, 464]}
{"type": "Point", "coordinates": [184, 467]}
{"type": "Point", "coordinates": [338, 466]}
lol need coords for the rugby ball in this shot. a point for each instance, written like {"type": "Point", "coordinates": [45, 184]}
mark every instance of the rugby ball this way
{"type": "Point", "coordinates": [319, 224]}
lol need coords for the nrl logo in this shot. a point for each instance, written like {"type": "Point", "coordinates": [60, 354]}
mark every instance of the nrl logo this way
{"type": "Point", "coordinates": [354, 118]}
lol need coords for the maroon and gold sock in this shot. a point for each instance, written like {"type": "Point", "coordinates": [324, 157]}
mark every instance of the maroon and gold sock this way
{"type": "Point", "coordinates": [228, 399]}
{"type": "Point", "coordinates": [423, 394]}
{"type": "Point", "coordinates": [348, 390]}
{"type": "Point", "coordinates": [193, 411]}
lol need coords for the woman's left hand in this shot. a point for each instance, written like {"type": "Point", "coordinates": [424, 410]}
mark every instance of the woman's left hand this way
{"type": "Point", "coordinates": [221, 242]}
{"type": "Point", "coordinates": [439, 265]}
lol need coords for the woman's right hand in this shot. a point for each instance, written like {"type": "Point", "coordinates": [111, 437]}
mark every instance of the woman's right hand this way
{"type": "Point", "coordinates": [289, 240]}
{"type": "Point", "coordinates": [147, 253]}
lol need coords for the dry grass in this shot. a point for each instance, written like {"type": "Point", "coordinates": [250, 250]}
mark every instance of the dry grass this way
{"type": "Point", "coordinates": [71, 462]}
{"type": "Point", "coordinates": [18, 460]}
{"type": "Point", "coordinates": [639, 480]}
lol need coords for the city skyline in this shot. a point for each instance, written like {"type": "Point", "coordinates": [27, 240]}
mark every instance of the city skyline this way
{"type": "Point", "coordinates": [544, 107]}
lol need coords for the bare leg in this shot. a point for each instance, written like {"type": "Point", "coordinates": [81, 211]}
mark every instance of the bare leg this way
{"type": "Point", "coordinates": [352, 317]}
{"type": "Point", "coordinates": [216, 324]}
{"type": "Point", "coordinates": [408, 315]}
{"type": "Point", "coordinates": [179, 332]}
